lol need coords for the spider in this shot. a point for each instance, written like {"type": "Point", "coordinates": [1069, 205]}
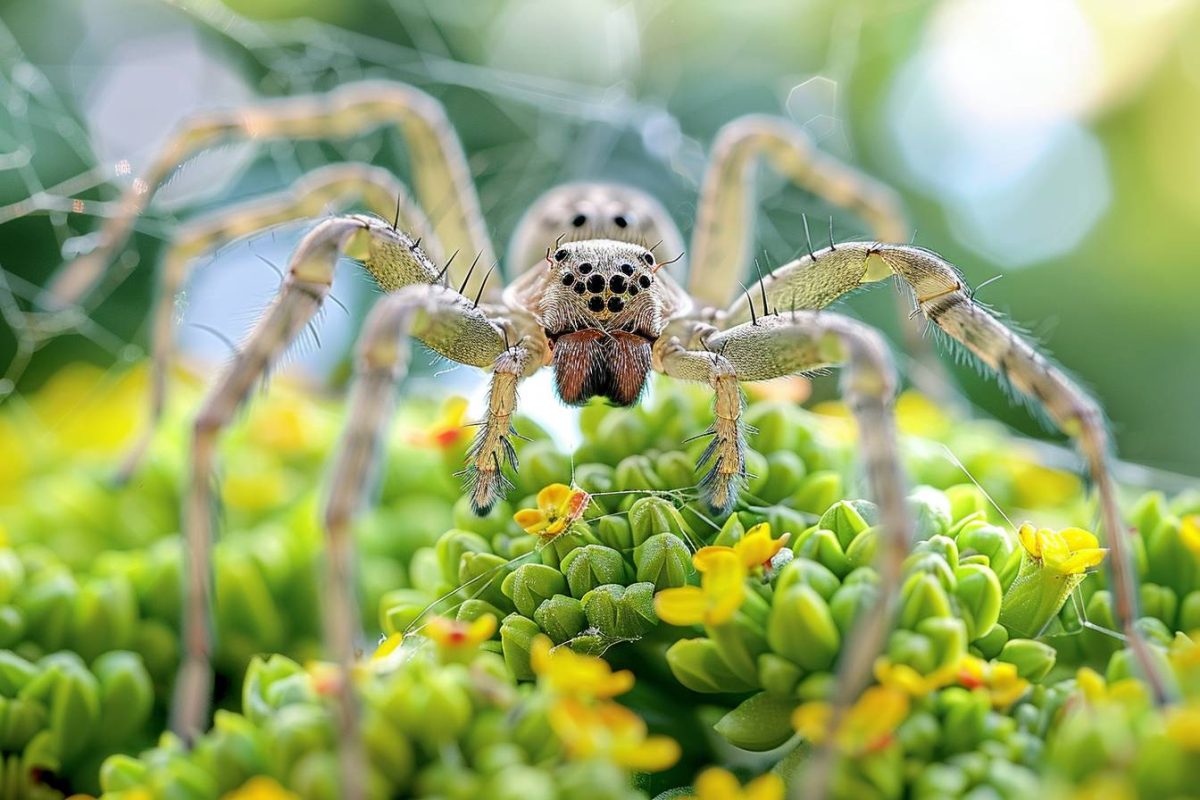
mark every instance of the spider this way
{"type": "Point", "coordinates": [592, 301]}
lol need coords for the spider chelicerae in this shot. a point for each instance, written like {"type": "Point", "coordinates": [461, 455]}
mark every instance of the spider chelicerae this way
{"type": "Point", "coordinates": [593, 301]}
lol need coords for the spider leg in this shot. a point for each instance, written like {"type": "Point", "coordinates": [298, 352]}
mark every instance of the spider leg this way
{"type": "Point", "coordinates": [725, 220]}
{"type": "Point", "coordinates": [944, 299]}
{"type": "Point", "coordinates": [440, 175]}
{"type": "Point", "coordinates": [783, 344]}
{"type": "Point", "coordinates": [453, 326]}
{"type": "Point", "coordinates": [389, 255]}
{"type": "Point", "coordinates": [331, 187]}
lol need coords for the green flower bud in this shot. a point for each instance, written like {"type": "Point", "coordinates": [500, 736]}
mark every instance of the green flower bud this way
{"type": "Point", "coordinates": [931, 513]}
{"type": "Point", "coordinates": [516, 639]}
{"type": "Point", "coordinates": [774, 427]}
{"type": "Point", "coordinates": [530, 584]}
{"type": "Point", "coordinates": [756, 472]}
{"type": "Point", "coordinates": [473, 608]}
{"type": "Point", "coordinates": [978, 594]}
{"type": "Point", "coordinates": [20, 720]}
{"type": "Point", "coordinates": [943, 547]}
{"type": "Point", "coordinates": [593, 779]}
{"type": "Point", "coordinates": [444, 780]}
{"type": "Point", "coordinates": [777, 675]}
{"type": "Point", "coordinates": [698, 665]}
{"type": "Point", "coordinates": [1159, 602]}
{"type": "Point", "coordinates": [621, 612]}
{"type": "Point", "coordinates": [542, 464]}
{"type": "Point", "coordinates": [619, 435]}
{"type": "Point", "coordinates": [1169, 561]}
{"type": "Point", "coordinates": [430, 705]}
{"type": "Point", "coordinates": [15, 673]}
{"type": "Point", "coordinates": [126, 694]}
{"type": "Point", "coordinates": [912, 649]}
{"type": "Point", "coordinates": [12, 626]}
{"type": "Point", "coordinates": [654, 515]}
{"type": "Point", "coordinates": [990, 644]}
{"type": "Point", "coordinates": [48, 605]}
{"type": "Point", "coordinates": [1033, 659]}
{"type": "Point", "coordinates": [597, 481]}
{"type": "Point", "coordinates": [636, 474]}
{"type": "Point", "coordinates": [519, 782]}
{"type": "Point", "coordinates": [12, 575]}
{"type": "Point", "coordinates": [849, 518]}
{"type": "Point", "coordinates": [1154, 631]}
{"type": "Point", "coordinates": [467, 521]}
{"type": "Point", "coordinates": [784, 473]}
{"type": "Point", "coordinates": [940, 780]}
{"type": "Point", "coordinates": [614, 532]}
{"type": "Point", "coordinates": [561, 617]}
{"type": "Point", "coordinates": [485, 574]}
{"type": "Point", "coordinates": [823, 546]}
{"type": "Point", "coordinates": [816, 687]}
{"type": "Point", "coordinates": [1189, 612]}
{"type": "Point", "coordinates": [991, 541]}
{"type": "Point", "coordinates": [921, 598]}
{"type": "Point", "coordinates": [676, 470]}
{"type": "Point", "coordinates": [964, 716]}
{"type": "Point", "coordinates": [761, 722]}
{"type": "Point", "coordinates": [947, 637]}
{"type": "Point", "coordinates": [452, 546]}
{"type": "Point", "coordinates": [784, 520]}
{"type": "Point", "coordinates": [817, 492]}
{"type": "Point", "coordinates": [400, 608]}
{"type": "Point", "coordinates": [849, 602]}
{"type": "Point", "coordinates": [801, 571]}
{"type": "Point", "coordinates": [592, 566]}
{"type": "Point", "coordinates": [1099, 612]}
{"type": "Point", "coordinates": [122, 772]}
{"type": "Point", "coordinates": [801, 628]}
{"type": "Point", "coordinates": [920, 735]}
{"type": "Point", "coordinates": [966, 500]}
{"type": "Point", "coordinates": [1124, 664]}
{"type": "Point", "coordinates": [663, 560]}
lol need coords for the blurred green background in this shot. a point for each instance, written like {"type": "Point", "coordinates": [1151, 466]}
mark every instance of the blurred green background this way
{"type": "Point", "coordinates": [1051, 142]}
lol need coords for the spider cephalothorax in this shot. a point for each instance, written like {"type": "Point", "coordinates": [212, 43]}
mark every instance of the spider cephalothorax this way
{"type": "Point", "coordinates": [599, 308]}
{"type": "Point", "coordinates": [602, 306]}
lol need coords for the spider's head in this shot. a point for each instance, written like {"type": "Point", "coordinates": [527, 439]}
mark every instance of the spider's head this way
{"type": "Point", "coordinates": [602, 307]}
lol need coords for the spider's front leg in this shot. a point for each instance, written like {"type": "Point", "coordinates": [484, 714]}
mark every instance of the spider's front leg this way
{"type": "Point", "coordinates": [385, 252]}
{"type": "Point", "coordinates": [779, 345]}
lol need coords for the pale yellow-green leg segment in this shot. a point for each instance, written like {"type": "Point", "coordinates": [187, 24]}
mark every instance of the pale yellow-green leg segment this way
{"type": "Point", "coordinates": [792, 342]}
{"type": "Point", "coordinates": [330, 188]}
{"type": "Point", "coordinates": [441, 178]}
{"type": "Point", "coordinates": [451, 325]}
{"type": "Point", "coordinates": [724, 229]}
{"type": "Point", "coordinates": [394, 259]}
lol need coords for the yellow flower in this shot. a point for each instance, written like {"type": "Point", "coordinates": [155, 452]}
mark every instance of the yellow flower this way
{"type": "Point", "coordinates": [558, 506]}
{"type": "Point", "coordinates": [715, 600]}
{"type": "Point", "coordinates": [715, 783]}
{"type": "Point", "coordinates": [455, 635]}
{"type": "Point", "coordinates": [999, 678]}
{"type": "Point", "coordinates": [1097, 690]}
{"type": "Point", "coordinates": [794, 389]}
{"type": "Point", "coordinates": [1183, 726]}
{"type": "Point", "coordinates": [568, 673]}
{"type": "Point", "coordinates": [908, 680]}
{"type": "Point", "coordinates": [1189, 532]}
{"type": "Point", "coordinates": [261, 787]}
{"type": "Point", "coordinates": [868, 726]}
{"type": "Point", "coordinates": [611, 732]}
{"type": "Point", "coordinates": [450, 428]}
{"type": "Point", "coordinates": [754, 550]}
{"type": "Point", "coordinates": [1037, 486]}
{"type": "Point", "coordinates": [1071, 551]}
{"type": "Point", "coordinates": [917, 415]}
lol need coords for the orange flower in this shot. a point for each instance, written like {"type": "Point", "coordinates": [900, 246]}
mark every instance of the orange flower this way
{"type": "Point", "coordinates": [449, 429]}
{"type": "Point", "coordinates": [868, 726]}
{"type": "Point", "coordinates": [456, 636]}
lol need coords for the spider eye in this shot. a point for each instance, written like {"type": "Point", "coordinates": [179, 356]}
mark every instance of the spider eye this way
{"type": "Point", "coordinates": [596, 303]}
{"type": "Point", "coordinates": [585, 268]}
{"type": "Point", "coordinates": [644, 281]}
{"type": "Point", "coordinates": [648, 258]}
{"type": "Point", "coordinates": [620, 221]}
{"type": "Point", "coordinates": [579, 221]}
{"type": "Point", "coordinates": [627, 269]}
{"type": "Point", "coordinates": [561, 255]}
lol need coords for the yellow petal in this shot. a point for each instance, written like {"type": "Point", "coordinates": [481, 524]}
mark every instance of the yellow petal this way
{"type": "Point", "coordinates": [531, 520]}
{"type": "Point", "coordinates": [811, 721]}
{"type": "Point", "coordinates": [453, 412]}
{"type": "Point", "coordinates": [704, 558]}
{"type": "Point", "coordinates": [1189, 533]}
{"type": "Point", "coordinates": [481, 629]}
{"type": "Point", "coordinates": [764, 787]}
{"type": "Point", "coordinates": [715, 783]}
{"type": "Point", "coordinates": [1082, 561]}
{"type": "Point", "coordinates": [1030, 540]}
{"type": "Point", "coordinates": [540, 655]}
{"type": "Point", "coordinates": [654, 754]}
{"type": "Point", "coordinates": [1079, 539]}
{"type": "Point", "coordinates": [552, 497]}
{"type": "Point", "coordinates": [757, 547]}
{"type": "Point", "coordinates": [682, 606]}
{"type": "Point", "coordinates": [388, 646]}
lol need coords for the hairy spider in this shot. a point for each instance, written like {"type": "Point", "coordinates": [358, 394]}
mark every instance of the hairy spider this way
{"type": "Point", "coordinates": [592, 301]}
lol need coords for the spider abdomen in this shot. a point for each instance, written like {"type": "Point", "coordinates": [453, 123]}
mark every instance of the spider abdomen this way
{"type": "Point", "coordinates": [597, 363]}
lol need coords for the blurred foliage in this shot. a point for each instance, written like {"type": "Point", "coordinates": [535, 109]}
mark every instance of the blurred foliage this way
{"type": "Point", "coordinates": [544, 91]}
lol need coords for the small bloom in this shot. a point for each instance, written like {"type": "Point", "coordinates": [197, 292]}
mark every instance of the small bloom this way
{"type": "Point", "coordinates": [449, 429]}
{"type": "Point", "coordinates": [869, 725]}
{"type": "Point", "coordinates": [1189, 532]}
{"type": "Point", "coordinates": [715, 601]}
{"type": "Point", "coordinates": [568, 673]}
{"type": "Point", "coordinates": [999, 678]}
{"type": "Point", "coordinates": [1070, 551]}
{"type": "Point", "coordinates": [715, 783]}
{"type": "Point", "coordinates": [260, 787]}
{"type": "Point", "coordinates": [1096, 690]}
{"type": "Point", "coordinates": [1183, 726]}
{"type": "Point", "coordinates": [913, 683]}
{"type": "Point", "coordinates": [558, 506]}
{"type": "Point", "coordinates": [755, 549]}
{"type": "Point", "coordinates": [611, 732]}
{"type": "Point", "coordinates": [456, 635]}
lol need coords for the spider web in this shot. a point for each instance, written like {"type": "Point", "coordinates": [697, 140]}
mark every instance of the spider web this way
{"type": "Point", "coordinates": [523, 132]}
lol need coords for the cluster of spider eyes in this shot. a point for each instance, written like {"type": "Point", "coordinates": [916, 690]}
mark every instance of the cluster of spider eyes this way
{"type": "Point", "coordinates": [619, 283]}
